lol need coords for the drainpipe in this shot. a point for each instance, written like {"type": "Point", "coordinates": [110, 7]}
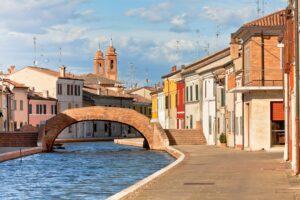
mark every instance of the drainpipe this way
{"type": "Point", "coordinates": [286, 105]}
{"type": "Point", "coordinates": [243, 99]}
{"type": "Point", "coordinates": [296, 133]}
{"type": "Point", "coordinates": [262, 59]}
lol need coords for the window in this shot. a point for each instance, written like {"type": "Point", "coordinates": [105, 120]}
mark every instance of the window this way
{"type": "Point", "coordinates": [71, 86]}
{"type": "Point", "coordinates": [105, 127]}
{"type": "Point", "coordinates": [78, 92]}
{"type": "Point", "coordinates": [59, 89]}
{"type": "Point", "coordinates": [30, 108]}
{"type": "Point", "coordinates": [111, 64]}
{"type": "Point", "coordinates": [187, 94]}
{"type": "Point", "coordinates": [69, 105]}
{"type": "Point", "coordinates": [14, 105]}
{"type": "Point", "coordinates": [45, 109]}
{"type": "Point", "coordinates": [41, 109]}
{"type": "Point", "coordinates": [191, 121]}
{"type": "Point", "coordinates": [21, 124]}
{"type": "Point", "coordinates": [75, 90]}
{"type": "Point", "coordinates": [21, 104]}
{"type": "Point", "coordinates": [197, 92]}
{"type": "Point", "coordinates": [37, 109]}
{"type": "Point", "coordinates": [222, 97]}
{"type": "Point", "coordinates": [68, 89]}
{"type": "Point", "coordinates": [70, 129]}
{"type": "Point", "coordinates": [191, 95]}
{"type": "Point", "coordinates": [167, 102]}
{"type": "Point", "coordinates": [95, 127]}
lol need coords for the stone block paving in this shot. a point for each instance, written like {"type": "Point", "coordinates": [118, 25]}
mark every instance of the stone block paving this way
{"type": "Point", "coordinates": [212, 173]}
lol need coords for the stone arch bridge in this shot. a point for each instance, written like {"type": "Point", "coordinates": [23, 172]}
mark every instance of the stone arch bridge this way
{"type": "Point", "coordinates": [152, 132]}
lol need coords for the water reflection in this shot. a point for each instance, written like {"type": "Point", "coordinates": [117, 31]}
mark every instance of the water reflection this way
{"type": "Point", "coordinates": [81, 171]}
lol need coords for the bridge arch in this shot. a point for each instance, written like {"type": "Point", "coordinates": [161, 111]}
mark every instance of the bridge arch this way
{"type": "Point", "coordinates": [152, 133]}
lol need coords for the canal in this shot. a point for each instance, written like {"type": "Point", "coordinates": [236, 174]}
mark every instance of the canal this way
{"type": "Point", "coordinates": [80, 171]}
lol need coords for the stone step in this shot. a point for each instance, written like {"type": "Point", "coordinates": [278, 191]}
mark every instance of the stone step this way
{"type": "Point", "coordinates": [185, 137]}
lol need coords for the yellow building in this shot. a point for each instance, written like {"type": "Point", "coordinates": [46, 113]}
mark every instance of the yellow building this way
{"type": "Point", "coordinates": [170, 93]}
{"type": "Point", "coordinates": [154, 107]}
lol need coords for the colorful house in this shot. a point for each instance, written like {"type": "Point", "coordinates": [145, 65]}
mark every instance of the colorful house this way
{"type": "Point", "coordinates": [257, 84]}
{"type": "Point", "coordinates": [170, 94]}
{"type": "Point", "coordinates": [180, 104]}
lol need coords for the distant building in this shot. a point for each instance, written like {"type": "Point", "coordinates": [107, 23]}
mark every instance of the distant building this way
{"type": "Point", "coordinates": [19, 105]}
{"type": "Point", "coordinates": [64, 87]}
{"type": "Point", "coordinates": [41, 107]}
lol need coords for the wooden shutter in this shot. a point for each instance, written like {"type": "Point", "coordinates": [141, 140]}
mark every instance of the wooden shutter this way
{"type": "Point", "coordinates": [277, 111]}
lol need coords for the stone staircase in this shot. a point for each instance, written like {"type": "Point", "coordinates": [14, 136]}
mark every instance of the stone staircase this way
{"type": "Point", "coordinates": [185, 137]}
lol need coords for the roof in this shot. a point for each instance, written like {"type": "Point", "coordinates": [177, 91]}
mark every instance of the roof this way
{"type": "Point", "coordinates": [90, 79]}
{"type": "Point", "coordinates": [158, 90]}
{"type": "Point", "coordinates": [206, 61]}
{"type": "Point", "coordinates": [171, 74]}
{"type": "Point", "coordinates": [104, 92]}
{"type": "Point", "coordinates": [267, 23]}
{"type": "Point", "coordinates": [15, 84]}
{"type": "Point", "coordinates": [54, 73]}
{"type": "Point", "coordinates": [140, 99]}
{"type": "Point", "coordinates": [273, 19]}
{"type": "Point", "coordinates": [151, 89]}
{"type": "Point", "coordinates": [39, 96]}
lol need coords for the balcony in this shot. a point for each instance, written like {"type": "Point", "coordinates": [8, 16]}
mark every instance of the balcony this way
{"type": "Point", "coordinates": [255, 80]}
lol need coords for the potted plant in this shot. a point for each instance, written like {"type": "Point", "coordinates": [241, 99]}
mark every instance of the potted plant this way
{"type": "Point", "coordinates": [222, 139]}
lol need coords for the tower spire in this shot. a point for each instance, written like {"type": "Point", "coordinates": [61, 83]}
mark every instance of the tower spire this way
{"type": "Point", "coordinates": [99, 47]}
{"type": "Point", "coordinates": [111, 42]}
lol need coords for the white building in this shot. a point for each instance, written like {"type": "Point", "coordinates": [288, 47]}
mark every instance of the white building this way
{"type": "Point", "coordinates": [161, 109]}
{"type": "Point", "coordinates": [62, 86]}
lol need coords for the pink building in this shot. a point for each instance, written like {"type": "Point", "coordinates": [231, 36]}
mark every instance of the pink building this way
{"type": "Point", "coordinates": [19, 105]}
{"type": "Point", "coordinates": [41, 107]}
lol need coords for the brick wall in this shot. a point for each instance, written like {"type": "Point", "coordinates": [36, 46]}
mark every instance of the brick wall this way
{"type": "Point", "coordinates": [18, 139]}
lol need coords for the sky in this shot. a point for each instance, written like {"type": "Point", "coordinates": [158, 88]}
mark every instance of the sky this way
{"type": "Point", "coordinates": [150, 36]}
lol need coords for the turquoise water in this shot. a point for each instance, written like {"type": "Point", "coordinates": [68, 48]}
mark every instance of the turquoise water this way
{"type": "Point", "coordinates": [81, 171]}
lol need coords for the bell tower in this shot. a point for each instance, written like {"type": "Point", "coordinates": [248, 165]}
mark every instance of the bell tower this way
{"type": "Point", "coordinates": [111, 62]}
{"type": "Point", "coordinates": [99, 67]}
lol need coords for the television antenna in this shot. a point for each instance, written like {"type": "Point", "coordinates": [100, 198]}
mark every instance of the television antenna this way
{"type": "Point", "coordinates": [34, 47]}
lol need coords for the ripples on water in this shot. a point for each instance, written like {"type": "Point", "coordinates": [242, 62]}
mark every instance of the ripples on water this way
{"type": "Point", "coordinates": [81, 171]}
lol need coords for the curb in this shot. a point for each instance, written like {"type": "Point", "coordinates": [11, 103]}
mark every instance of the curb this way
{"type": "Point", "coordinates": [18, 154]}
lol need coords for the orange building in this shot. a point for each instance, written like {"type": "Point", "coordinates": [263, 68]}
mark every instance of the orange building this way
{"type": "Point", "coordinates": [257, 84]}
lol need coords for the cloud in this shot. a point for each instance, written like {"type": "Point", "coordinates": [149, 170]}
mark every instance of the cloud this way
{"type": "Point", "coordinates": [179, 23]}
{"type": "Point", "coordinates": [155, 13]}
{"type": "Point", "coordinates": [33, 16]}
{"type": "Point", "coordinates": [228, 17]}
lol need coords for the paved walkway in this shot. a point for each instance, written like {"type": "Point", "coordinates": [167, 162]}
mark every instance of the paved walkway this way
{"type": "Point", "coordinates": [11, 149]}
{"type": "Point", "coordinates": [221, 173]}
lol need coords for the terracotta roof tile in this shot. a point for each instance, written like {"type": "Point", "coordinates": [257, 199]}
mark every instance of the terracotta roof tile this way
{"type": "Point", "coordinates": [54, 73]}
{"type": "Point", "coordinates": [14, 83]}
{"type": "Point", "coordinates": [274, 19]}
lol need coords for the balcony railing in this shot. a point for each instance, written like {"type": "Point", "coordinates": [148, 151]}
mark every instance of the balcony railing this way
{"type": "Point", "coordinates": [267, 77]}
{"type": "Point", "coordinates": [256, 78]}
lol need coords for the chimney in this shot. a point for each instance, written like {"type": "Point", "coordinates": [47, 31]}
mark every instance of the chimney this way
{"type": "Point", "coordinates": [62, 71]}
{"type": "Point", "coordinates": [174, 68]}
{"type": "Point", "coordinates": [45, 94]}
{"type": "Point", "coordinates": [11, 69]}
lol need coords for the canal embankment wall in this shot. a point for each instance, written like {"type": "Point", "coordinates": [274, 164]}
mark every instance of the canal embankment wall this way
{"type": "Point", "coordinates": [18, 153]}
{"type": "Point", "coordinates": [18, 139]}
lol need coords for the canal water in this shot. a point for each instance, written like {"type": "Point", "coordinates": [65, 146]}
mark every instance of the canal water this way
{"type": "Point", "coordinates": [81, 171]}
